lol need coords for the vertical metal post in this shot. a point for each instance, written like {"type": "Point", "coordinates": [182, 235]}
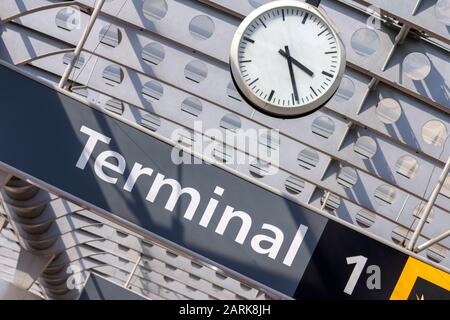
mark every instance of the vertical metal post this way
{"type": "Point", "coordinates": [430, 204]}
{"type": "Point", "coordinates": [80, 45]}
{"type": "Point", "coordinates": [327, 196]}
{"type": "Point", "coordinates": [130, 277]}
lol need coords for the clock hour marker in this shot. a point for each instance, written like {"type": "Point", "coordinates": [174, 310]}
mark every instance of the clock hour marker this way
{"type": "Point", "coordinates": [322, 32]}
{"type": "Point", "coordinates": [271, 95]}
{"type": "Point", "coordinates": [304, 18]}
{"type": "Point", "coordinates": [260, 20]}
{"type": "Point", "coordinates": [330, 52]}
{"type": "Point", "coordinates": [254, 81]}
{"type": "Point", "coordinates": [327, 74]}
{"type": "Point", "coordinates": [246, 61]}
{"type": "Point", "coordinates": [282, 12]}
{"type": "Point", "coordinates": [249, 40]}
{"type": "Point", "coordinates": [313, 91]}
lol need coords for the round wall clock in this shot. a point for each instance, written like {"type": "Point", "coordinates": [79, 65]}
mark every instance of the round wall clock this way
{"type": "Point", "coordinates": [287, 58]}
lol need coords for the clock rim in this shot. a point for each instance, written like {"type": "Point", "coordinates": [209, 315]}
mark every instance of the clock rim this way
{"type": "Point", "coordinates": [253, 99]}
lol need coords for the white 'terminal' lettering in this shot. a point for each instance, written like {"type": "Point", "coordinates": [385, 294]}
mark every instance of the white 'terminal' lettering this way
{"type": "Point", "coordinates": [116, 163]}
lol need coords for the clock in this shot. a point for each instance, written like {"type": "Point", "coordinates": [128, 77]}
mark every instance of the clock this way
{"type": "Point", "coordinates": [287, 58]}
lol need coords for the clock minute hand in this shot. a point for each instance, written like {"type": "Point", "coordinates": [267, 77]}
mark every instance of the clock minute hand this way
{"type": "Point", "coordinates": [296, 63]}
{"type": "Point", "coordinates": [292, 75]}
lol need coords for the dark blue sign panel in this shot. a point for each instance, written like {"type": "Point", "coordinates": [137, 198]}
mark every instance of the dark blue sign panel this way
{"type": "Point", "coordinates": [130, 174]}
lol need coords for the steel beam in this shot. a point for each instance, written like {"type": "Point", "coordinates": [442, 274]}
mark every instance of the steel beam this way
{"type": "Point", "coordinates": [81, 43]}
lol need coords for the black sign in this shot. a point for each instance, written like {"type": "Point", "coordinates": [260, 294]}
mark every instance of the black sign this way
{"type": "Point", "coordinates": [425, 290]}
{"type": "Point", "coordinates": [349, 265]}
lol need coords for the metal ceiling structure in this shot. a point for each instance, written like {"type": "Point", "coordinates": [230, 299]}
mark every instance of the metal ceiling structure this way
{"type": "Point", "coordinates": [371, 157]}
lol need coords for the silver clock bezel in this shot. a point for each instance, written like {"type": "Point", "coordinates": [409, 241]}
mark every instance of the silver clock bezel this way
{"type": "Point", "coordinates": [255, 100]}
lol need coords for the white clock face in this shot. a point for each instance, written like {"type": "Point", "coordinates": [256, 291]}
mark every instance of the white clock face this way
{"type": "Point", "coordinates": [287, 59]}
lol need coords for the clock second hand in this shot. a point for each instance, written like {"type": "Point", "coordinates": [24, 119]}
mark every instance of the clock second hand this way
{"type": "Point", "coordinates": [296, 62]}
{"type": "Point", "coordinates": [291, 73]}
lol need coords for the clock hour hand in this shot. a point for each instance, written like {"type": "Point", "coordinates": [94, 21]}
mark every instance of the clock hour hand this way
{"type": "Point", "coordinates": [292, 75]}
{"type": "Point", "coordinates": [296, 62]}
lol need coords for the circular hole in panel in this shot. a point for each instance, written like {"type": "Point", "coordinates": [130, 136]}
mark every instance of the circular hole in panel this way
{"type": "Point", "coordinates": [230, 122]}
{"type": "Point", "coordinates": [68, 57]}
{"type": "Point", "coordinates": [434, 132]}
{"type": "Point", "coordinates": [294, 185]}
{"type": "Point", "coordinates": [113, 75]}
{"type": "Point", "coordinates": [153, 53]}
{"type": "Point", "coordinates": [365, 218]}
{"type": "Point", "coordinates": [437, 253]}
{"type": "Point", "coordinates": [152, 89]}
{"type": "Point", "coordinates": [365, 147]}
{"type": "Point", "coordinates": [154, 9]}
{"type": "Point", "coordinates": [270, 140]}
{"type": "Point", "coordinates": [416, 66]}
{"type": "Point", "coordinates": [232, 92]}
{"type": "Point", "coordinates": [259, 168]}
{"type": "Point", "coordinates": [151, 121]}
{"type": "Point", "coordinates": [323, 126]}
{"type": "Point", "coordinates": [388, 111]}
{"type": "Point", "coordinates": [442, 11]}
{"type": "Point", "coordinates": [384, 195]}
{"type": "Point", "coordinates": [115, 106]}
{"type": "Point", "coordinates": [192, 106]}
{"type": "Point", "coordinates": [365, 42]}
{"type": "Point", "coordinates": [68, 19]}
{"type": "Point", "coordinates": [201, 27]}
{"type": "Point", "coordinates": [196, 71]}
{"type": "Point", "coordinates": [83, 91]}
{"type": "Point", "coordinates": [345, 91]}
{"type": "Point", "coordinates": [399, 235]}
{"type": "Point", "coordinates": [333, 201]}
{"type": "Point", "coordinates": [407, 166]}
{"type": "Point", "coordinates": [308, 158]}
{"type": "Point", "coordinates": [347, 177]}
{"type": "Point", "coordinates": [110, 35]}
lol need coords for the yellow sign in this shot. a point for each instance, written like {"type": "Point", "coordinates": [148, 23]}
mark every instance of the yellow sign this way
{"type": "Point", "coordinates": [414, 269]}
